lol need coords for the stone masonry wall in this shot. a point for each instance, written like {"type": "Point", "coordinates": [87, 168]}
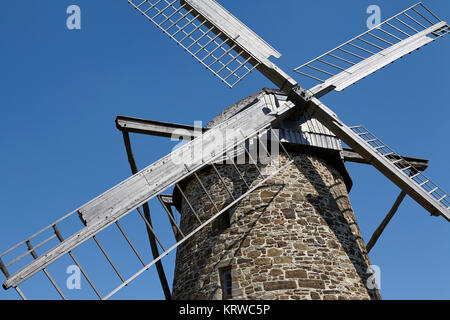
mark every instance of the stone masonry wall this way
{"type": "Point", "coordinates": [296, 237]}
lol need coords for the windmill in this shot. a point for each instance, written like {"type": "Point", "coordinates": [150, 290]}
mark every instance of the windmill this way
{"type": "Point", "coordinates": [231, 51]}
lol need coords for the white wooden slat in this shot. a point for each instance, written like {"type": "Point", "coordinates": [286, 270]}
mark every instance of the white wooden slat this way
{"type": "Point", "coordinates": [326, 116]}
{"type": "Point", "coordinates": [237, 35]}
{"type": "Point", "coordinates": [379, 60]}
{"type": "Point", "coordinates": [157, 128]}
{"type": "Point", "coordinates": [234, 29]}
{"type": "Point", "coordinates": [205, 223]}
{"type": "Point", "coordinates": [133, 192]}
{"type": "Point", "coordinates": [113, 201]}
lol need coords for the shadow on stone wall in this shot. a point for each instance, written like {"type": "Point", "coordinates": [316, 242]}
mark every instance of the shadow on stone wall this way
{"type": "Point", "coordinates": [236, 246]}
{"type": "Point", "coordinates": [338, 223]}
{"type": "Point", "coordinates": [334, 209]}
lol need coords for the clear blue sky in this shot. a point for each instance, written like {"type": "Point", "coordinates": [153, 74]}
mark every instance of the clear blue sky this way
{"type": "Point", "coordinates": [61, 90]}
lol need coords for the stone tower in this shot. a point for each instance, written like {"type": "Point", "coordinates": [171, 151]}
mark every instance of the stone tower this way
{"type": "Point", "coordinates": [296, 237]}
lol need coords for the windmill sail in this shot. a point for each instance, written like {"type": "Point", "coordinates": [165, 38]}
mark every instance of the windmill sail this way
{"type": "Point", "coordinates": [107, 209]}
{"type": "Point", "coordinates": [204, 23]}
{"type": "Point", "coordinates": [374, 49]}
{"type": "Point", "coordinates": [395, 168]}
{"type": "Point", "coordinates": [215, 38]}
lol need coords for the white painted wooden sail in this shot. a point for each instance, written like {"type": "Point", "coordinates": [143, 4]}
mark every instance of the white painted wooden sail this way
{"type": "Point", "coordinates": [374, 49]}
{"type": "Point", "coordinates": [215, 38]}
{"type": "Point", "coordinates": [110, 207]}
{"type": "Point", "coordinates": [113, 205]}
{"type": "Point", "coordinates": [405, 176]}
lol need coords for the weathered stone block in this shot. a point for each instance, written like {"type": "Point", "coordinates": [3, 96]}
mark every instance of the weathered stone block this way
{"type": "Point", "coordinates": [276, 272]}
{"type": "Point", "coordinates": [282, 260]}
{"type": "Point", "coordinates": [263, 261]}
{"type": "Point", "coordinates": [296, 274]}
{"type": "Point", "coordinates": [253, 254]}
{"type": "Point", "coordinates": [289, 213]}
{"type": "Point", "coordinates": [315, 284]}
{"type": "Point", "coordinates": [300, 246]}
{"type": "Point", "coordinates": [279, 285]}
{"type": "Point", "coordinates": [273, 252]}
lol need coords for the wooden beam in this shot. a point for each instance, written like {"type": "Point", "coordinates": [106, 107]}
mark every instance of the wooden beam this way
{"type": "Point", "coordinates": [377, 61]}
{"type": "Point", "coordinates": [243, 38]}
{"type": "Point", "coordinates": [3, 268]}
{"type": "Point", "coordinates": [167, 203]}
{"type": "Point", "coordinates": [158, 177]}
{"type": "Point", "coordinates": [376, 235]}
{"type": "Point", "coordinates": [352, 156]}
{"type": "Point", "coordinates": [166, 129]}
{"type": "Point", "coordinates": [157, 128]}
{"type": "Point", "coordinates": [415, 190]}
{"type": "Point", "coordinates": [146, 209]}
